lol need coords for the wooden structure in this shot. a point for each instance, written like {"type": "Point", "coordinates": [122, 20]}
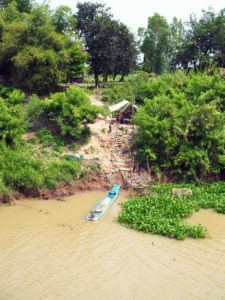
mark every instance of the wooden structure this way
{"type": "Point", "coordinates": [123, 160]}
{"type": "Point", "coordinates": [123, 111]}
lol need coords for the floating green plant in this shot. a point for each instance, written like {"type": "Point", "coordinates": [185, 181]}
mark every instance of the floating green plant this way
{"type": "Point", "coordinates": [162, 214]}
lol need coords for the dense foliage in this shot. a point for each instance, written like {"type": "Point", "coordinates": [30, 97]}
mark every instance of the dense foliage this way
{"type": "Point", "coordinates": [156, 45]}
{"type": "Point", "coordinates": [20, 171]}
{"type": "Point", "coordinates": [181, 122]}
{"type": "Point", "coordinates": [202, 43]}
{"type": "Point", "coordinates": [195, 44]}
{"type": "Point", "coordinates": [110, 44]}
{"type": "Point", "coordinates": [182, 125]}
{"type": "Point", "coordinates": [115, 92]}
{"type": "Point", "coordinates": [11, 116]}
{"type": "Point", "coordinates": [69, 109]}
{"type": "Point", "coordinates": [162, 214]}
{"type": "Point", "coordinates": [39, 48]}
{"type": "Point", "coordinates": [37, 163]}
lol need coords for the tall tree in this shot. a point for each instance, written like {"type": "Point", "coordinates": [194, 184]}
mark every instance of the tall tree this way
{"type": "Point", "coordinates": [176, 39]}
{"type": "Point", "coordinates": [39, 49]}
{"type": "Point", "coordinates": [94, 23]}
{"type": "Point", "coordinates": [204, 32]}
{"type": "Point", "coordinates": [75, 65]}
{"type": "Point", "coordinates": [63, 19]}
{"type": "Point", "coordinates": [109, 43]}
{"type": "Point", "coordinates": [220, 33]}
{"type": "Point", "coordinates": [203, 43]}
{"type": "Point", "coordinates": [22, 5]}
{"type": "Point", "coordinates": [156, 45]}
{"type": "Point", "coordinates": [13, 31]}
{"type": "Point", "coordinates": [125, 53]}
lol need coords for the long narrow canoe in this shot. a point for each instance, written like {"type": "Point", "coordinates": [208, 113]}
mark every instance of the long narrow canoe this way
{"type": "Point", "coordinates": [102, 205]}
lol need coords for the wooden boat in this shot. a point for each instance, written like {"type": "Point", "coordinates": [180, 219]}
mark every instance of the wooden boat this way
{"type": "Point", "coordinates": [102, 205]}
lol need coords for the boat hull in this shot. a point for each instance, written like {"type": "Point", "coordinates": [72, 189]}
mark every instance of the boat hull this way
{"type": "Point", "coordinates": [103, 204]}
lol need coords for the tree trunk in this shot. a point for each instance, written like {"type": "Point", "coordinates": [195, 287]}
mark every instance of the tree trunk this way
{"type": "Point", "coordinates": [105, 78]}
{"type": "Point", "coordinates": [122, 78]}
{"type": "Point", "coordinates": [96, 81]}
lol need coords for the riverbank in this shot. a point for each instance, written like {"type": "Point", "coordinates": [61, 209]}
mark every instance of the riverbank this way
{"type": "Point", "coordinates": [106, 159]}
{"type": "Point", "coordinates": [96, 152]}
{"type": "Point", "coordinates": [92, 183]}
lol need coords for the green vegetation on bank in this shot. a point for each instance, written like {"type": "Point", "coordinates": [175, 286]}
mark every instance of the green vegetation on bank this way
{"type": "Point", "coordinates": [21, 172]}
{"type": "Point", "coordinates": [161, 213]}
{"type": "Point", "coordinates": [38, 162]}
{"type": "Point", "coordinates": [180, 122]}
{"type": "Point", "coordinates": [182, 126]}
{"type": "Point", "coordinates": [67, 110]}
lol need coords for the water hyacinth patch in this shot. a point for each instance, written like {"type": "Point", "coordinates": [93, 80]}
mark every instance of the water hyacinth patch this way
{"type": "Point", "coordinates": [162, 214]}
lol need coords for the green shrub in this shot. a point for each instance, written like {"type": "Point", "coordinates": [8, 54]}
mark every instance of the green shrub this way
{"type": "Point", "coordinates": [33, 110]}
{"type": "Point", "coordinates": [115, 92]}
{"type": "Point", "coordinates": [11, 95]}
{"type": "Point", "coordinates": [15, 97]}
{"type": "Point", "coordinates": [69, 109]}
{"type": "Point", "coordinates": [19, 171]}
{"type": "Point", "coordinates": [182, 127]}
{"type": "Point", "coordinates": [47, 140]}
{"type": "Point", "coordinates": [11, 123]}
{"type": "Point", "coordinates": [4, 190]}
{"type": "Point", "coordinates": [45, 137]}
{"type": "Point", "coordinates": [61, 171]}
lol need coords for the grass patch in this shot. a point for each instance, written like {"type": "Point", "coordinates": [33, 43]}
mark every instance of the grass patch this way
{"type": "Point", "coordinates": [24, 169]}
{"type": "Point", "coordinates": [48, 140]}
{"type": "Point", "coordinates": [162, 214]}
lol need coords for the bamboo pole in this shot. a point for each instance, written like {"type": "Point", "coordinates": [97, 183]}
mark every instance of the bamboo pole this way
{"type": "Point", "coordinates": [132, 174]}
{"type": "Point", "coordinates": [149, 173]}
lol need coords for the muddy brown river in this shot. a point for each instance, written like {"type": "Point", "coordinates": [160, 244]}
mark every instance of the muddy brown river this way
{"type": "Point", "coordinates": [49, 251]}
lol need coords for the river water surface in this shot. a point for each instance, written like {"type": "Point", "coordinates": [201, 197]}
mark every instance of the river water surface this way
{"type": "Point", "coordinates": [49, 251]}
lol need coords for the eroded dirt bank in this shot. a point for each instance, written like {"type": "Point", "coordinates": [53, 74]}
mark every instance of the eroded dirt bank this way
{"type": "Point", "coordinates": [93, 183]}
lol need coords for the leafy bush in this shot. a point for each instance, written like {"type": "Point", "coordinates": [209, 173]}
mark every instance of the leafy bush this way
{"type": "Point", "coordinates": [21, 172]}
{"type": "Point", "coordinates": [45, 137]}
{"type": "Point", "coordinates": [33, 109]}
{"type": "Point", "coordinates": [11, 122]}
{"type": "Point", "coordinates": [64, 171]}
{"type": "Point", "coordinates": [4, 190]}
{"type": "Point", "coordinates": [7, 90]}
{"type": "Point", "coordinates": [115, 92]}
{"type": "Point", "coordinates": [47, 140]}
{"type": "Point", "coordinates": [182, 133]}
{"type": "Point", "coordinates": [69, 109]}
{"type": "Point", "coordinates": [15, 97]}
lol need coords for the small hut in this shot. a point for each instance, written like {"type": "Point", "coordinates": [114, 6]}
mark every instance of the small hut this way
{"type": "Point", "coordinates": [123, 111]}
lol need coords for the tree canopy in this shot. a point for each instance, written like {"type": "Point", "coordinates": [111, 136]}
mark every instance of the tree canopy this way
{"type": "Point", "coordinates": [109, 43]}
{"type": "Point", "coordinates": [39, 48]}
{"type": "Point", "coordinates": [156, 44]}
{"type": "Point", "coordinates": [182, 126]}
{"type": "Point", "coordinates": [195, 44]}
